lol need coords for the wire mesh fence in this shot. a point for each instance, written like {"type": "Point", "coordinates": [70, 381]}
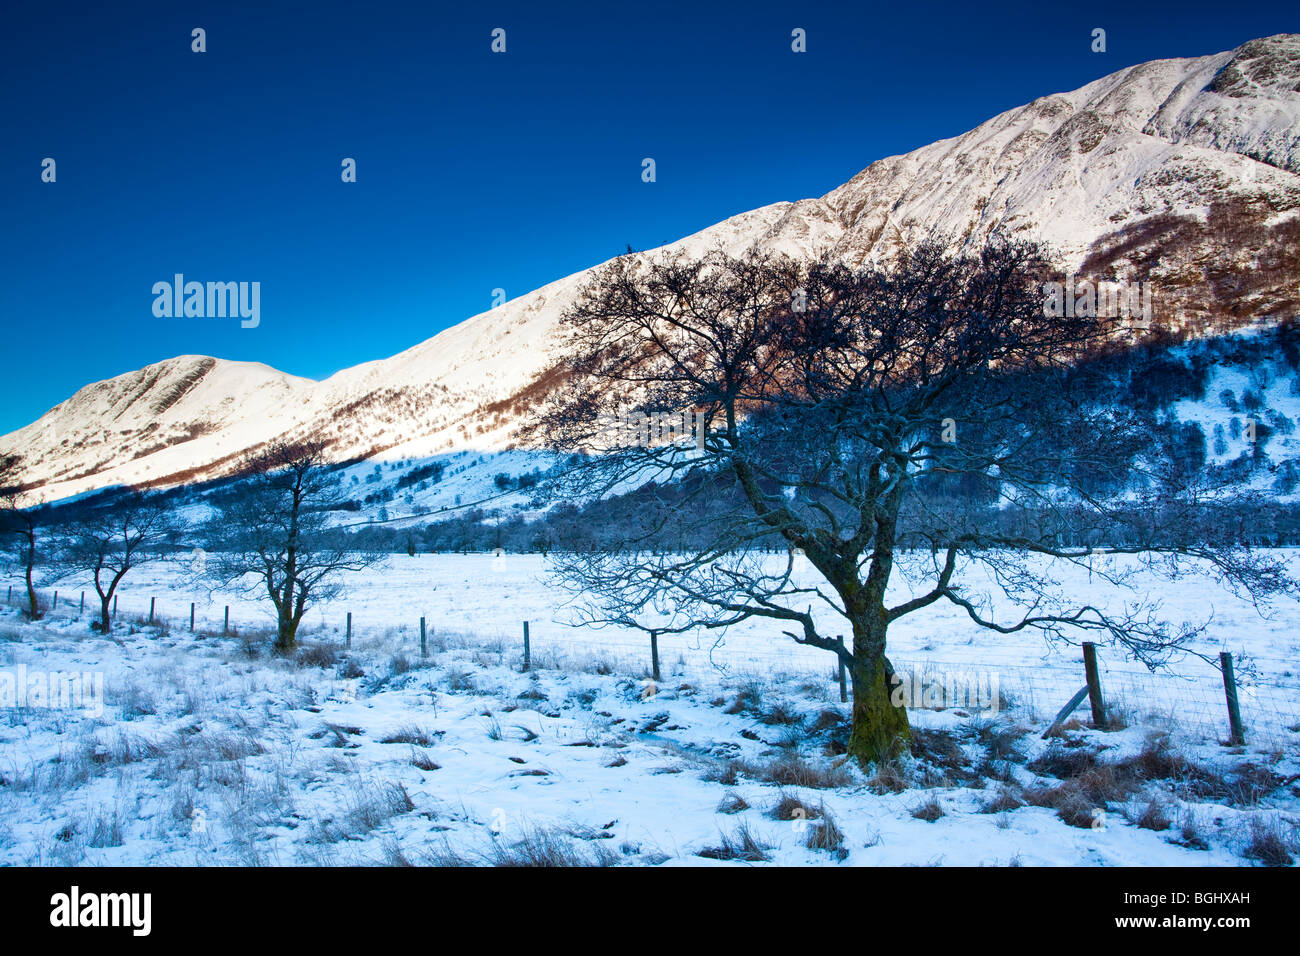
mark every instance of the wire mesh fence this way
{"type": "Point", "coordinates": [1192, 700]}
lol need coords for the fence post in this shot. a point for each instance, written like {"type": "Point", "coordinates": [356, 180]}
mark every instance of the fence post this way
{"type": "Point", "coordinates": [153, 601]}
{"type": "Point", "coordinates": [528, 651]}
{"type": "Point", "coordinates": [82, 609]}
{"type": "Point", "coordinates": [1238, 735]}
{"type": "Point", "coordinates": [56, 601]}
{"type": "Point", "coordinates": [1066, 711]}
{"type": "Point", "coordinates": [225, 628]}
{"type": "Point", "coordinates": [844, 686]}
{"type": "Point", "coordinates": [10, 598]}
{"type": "Point", "coordinates": [191, 615]}
{"type": "Point", "coordinates": [654, 655]}
{"type": "Point", "coordinates": [349, 628]}
{"type": "Point", "coordinates": [424, 643]}
{"type": "Point", "coordinates": [114, 605]}
{"type": "Point", "coordinates": [1094, 684]}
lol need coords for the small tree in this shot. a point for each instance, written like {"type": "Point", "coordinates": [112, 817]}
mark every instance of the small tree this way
{"type": "Point", "coordinates": [21, 527]}
{"type": "Point", "coordinates": [109, 540]}
{"type": "Point", "coordinates": [274, 532]}
{"type": "Point", "coordinates": [915, 420]}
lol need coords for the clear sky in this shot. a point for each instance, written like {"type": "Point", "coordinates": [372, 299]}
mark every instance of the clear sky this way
{"type": "Point", "coordinates": [475, 170]}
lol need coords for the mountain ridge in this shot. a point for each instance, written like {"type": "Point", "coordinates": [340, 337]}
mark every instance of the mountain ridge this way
{"type": "Point", "coordinates": [1182, 172]}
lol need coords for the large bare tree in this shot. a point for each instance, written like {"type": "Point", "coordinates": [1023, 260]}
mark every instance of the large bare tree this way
{"type": "Point", "coordinates": [914, 420]}
{"type": "Point", "coordinates": [274, 531]}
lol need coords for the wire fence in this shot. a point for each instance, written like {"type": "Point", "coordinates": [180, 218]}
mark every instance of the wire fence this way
{"type": "Point", "coordinates": [1192, 701]}
{"type": "Point", "coordinates": [1195, 706]}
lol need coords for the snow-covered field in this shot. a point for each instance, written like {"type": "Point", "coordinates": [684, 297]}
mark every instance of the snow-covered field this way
{"type": "Point", "coordinates": [491, 596]}
{"type": "Point", "coordinates": [208, 750]}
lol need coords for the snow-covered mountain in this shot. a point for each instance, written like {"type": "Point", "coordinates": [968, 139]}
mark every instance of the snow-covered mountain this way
{"type": "Point", "coordinates": [1184, 173]}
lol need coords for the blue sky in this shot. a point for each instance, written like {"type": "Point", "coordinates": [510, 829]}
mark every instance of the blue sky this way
{"type": "Point", "coordinates": [475, 170]}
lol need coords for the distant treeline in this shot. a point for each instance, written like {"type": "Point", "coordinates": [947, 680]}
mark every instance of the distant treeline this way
{"type": "Point", "coordinates": [609, 525]}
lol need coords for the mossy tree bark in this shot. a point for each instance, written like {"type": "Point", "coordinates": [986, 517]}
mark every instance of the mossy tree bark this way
{"type": "Point", "coordinates": [880, 730]}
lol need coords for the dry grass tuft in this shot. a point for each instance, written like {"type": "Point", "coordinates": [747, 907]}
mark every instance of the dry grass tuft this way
{"type": "Point", "coordinates": [741, 845]}
{"type": "Point", "coordinates": [930, 810]}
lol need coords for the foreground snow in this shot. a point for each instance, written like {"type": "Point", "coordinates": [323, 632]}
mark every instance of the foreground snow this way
{"type": "Point", "coordinates": [210, 752]}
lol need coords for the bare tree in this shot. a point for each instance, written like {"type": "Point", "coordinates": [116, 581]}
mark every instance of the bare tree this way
{"type": "Point", "coordinates": [910, 421]}
{"type": "Point", "coordinates": [274, 531]}
{"type": "Point", "coordinates": [21, 527]}
{"type": "Point", "coordinates": [109, 540]}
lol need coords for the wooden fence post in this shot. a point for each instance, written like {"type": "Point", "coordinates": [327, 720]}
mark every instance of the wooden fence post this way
{"type": "Point", "coordinates": [654, 655]}
{"type": "Point", "coordinates": [1238, 732]}
{"type": "Point", "coordinates": [114, 605]}
{"type": "Point", "coordinates": [1094, 684]}
{"type": "Point", "coordinates": [424, 642]}
{"type": "Point", "coordinates": [225, 628]}
{"type": "Point", "coordinates": [153, 601]}
{"type": "Point", "coordinates": [528, 651]}
{"type": "Point", "coordinates": [191, 615]}
{"type": "Point", "coordinates": [56, 600]}
{"type": "Point", "coordinates": [349, 628]}
{"type": "Point", "coordinates": [82, 609]}
{"type": "Point", "coordinates": [1066, 711]}
{"type": "Point", "coordinates": [844, 686]}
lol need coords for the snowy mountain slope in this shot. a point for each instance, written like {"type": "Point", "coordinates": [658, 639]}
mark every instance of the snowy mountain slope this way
{"type": "Point", "coordinates": [1074, 169]}
{"type": "Point", "coordinates": [1184, 173]}
{"type": "Point", "coordinates": [160, 421]}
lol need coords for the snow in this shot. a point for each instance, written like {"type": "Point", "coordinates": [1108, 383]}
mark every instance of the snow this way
{"type": "Point", "coordinates": [1069, 169]}
{"type": "Point", "coordinates": [286, 764]}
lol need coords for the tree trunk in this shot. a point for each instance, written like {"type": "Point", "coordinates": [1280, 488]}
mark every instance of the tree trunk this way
{"type": "Point", "coordinates": [286, 636]}
{"type": "Point", "coordinates": [286, 629]}
{"type": "Point", "coordinates": [33, 607]}
{"type": "Point", "coordinates": [105, 613]}
{"type": "Point", "coordinates": [880, 730]}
